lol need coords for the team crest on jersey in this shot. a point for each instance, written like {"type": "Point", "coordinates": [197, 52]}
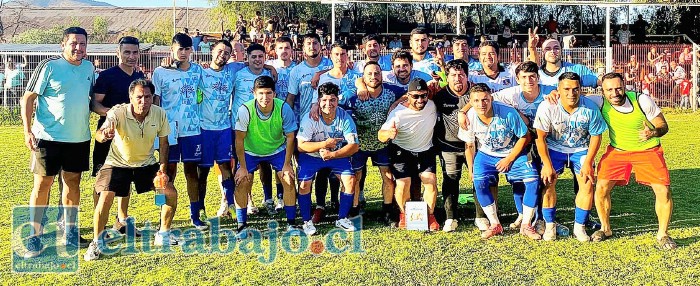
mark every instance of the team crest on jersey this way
{"type": "Point", "coordinates": [506, 81]}
{"type": "Point", "coordinates": [220, 86]}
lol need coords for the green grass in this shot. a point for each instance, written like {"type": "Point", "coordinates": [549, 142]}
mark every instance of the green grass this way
{"type": "Point", "coordinates": [404, 257]}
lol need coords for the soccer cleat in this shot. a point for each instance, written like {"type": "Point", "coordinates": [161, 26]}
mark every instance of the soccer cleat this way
{"type": "Point", "coordinates": [540, 226]}
{"type": "Point", "coordinates": [294, 230]}
{"type": "Point", "coordinates": [433, 225]}
{"type": "Point", "coordinates": [450, 225]}
{"type": "Point", "coordinates": [518, 221]}
{"type": "Point", "coordinates": [481, 223]}
{"type": "Point", "coordinates": [492, 231]}
{"type": "Point", "coordinates": [242, 232]}
{"type": "Point", "coordinates": [169, 239]}
{"type": "Point", "coordinates": [592, 224]}
{"type": "Point", "coordinates": [528, 231]}
{"type": "Point", "coordinates": [319, 214]}
{"type": "Point", "coordinates": [199, 225]}
{"type": "Point", "coordinates": [580, 233]}
{"type": "Point", "coordinates": [93, 252]}
{"type": "Point", "coordinates": [402, 221]}
{"type": "Point", "coordinates": [34, 247]}
{"type": "Point", "coordinates": [253, 210]}
{"type": "Point", "coordinates": [550, 232]}
{"type": "Point", "coordinates": [270, 207]}
{"type": "Point", "coordinates": [223, 211]}
{"type": "Point", "coordinates": [345, 224]}
{"type": "Point", "coordinates": [309, 228]}
{"type": "Point", "coordinates": [280, 205]}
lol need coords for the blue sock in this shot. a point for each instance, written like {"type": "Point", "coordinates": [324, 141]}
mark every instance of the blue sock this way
{"type": "Point", "coordinates": [530, 195]}
{"type": "Point", "coordinates": [194, 211]}
{"type": "Point", "coordinates": [267, 191]}
{"type": "Point", "coordinates": [581, 215]}
{"type": "Point", "coordinates": [518, 193]}
{"type": "Point", "coordinates": [305, 206]}
{"type": "Point", "coordinates": [549, 214]}
{"type": "Point", "coordinates": [242, 215]}
{"type": "Point", "coordinates": [483, 193]}
{"type": "Point", "coordinates": [345, 205]}
{"type": "Point", "coordinates": [291, 212]}
{"type": "Point", "coordinates": [280, 190]}
{"type": "Point", "coordinates": [228, 190]}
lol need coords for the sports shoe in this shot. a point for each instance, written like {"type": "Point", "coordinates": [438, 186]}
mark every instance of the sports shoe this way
{"type": "Point", "coordinates": [121, 228]}
{"type": "Point", "coordinates": [481, 223]}
{"type": "Point", "coordinates": [253, 210]}
{"type": "Point", "coordinates": [345, 224]}
{"type": "Point", "coordinates": [361, 207]}
{"type": "Point", "coordinates": [580, 233]}
{"type": "Point", "coordinates": [402, 221]}
{"type": "Point", "coordinates": [171, 239]}
{"type": "Point", "coordinates": [516, 224]}
{"type": "Point", "coordinates": [309, 228]}
{"type": "Point", "coordinates": [70, 240]}
{"type": "Point", "coordinates": [200, 225]}
{"type": "Point", "coordinates": [592, 224]}
{"type": "Point", "coordinates": [550, 233]}
{"type": "Point", "coordinates": [34, 247]}
{"type": "Point", "coordinates": [354, 211]}
{"type": "Point", "coordinates": [540, 226]}
{"type": "Point", "coordinates": [450, 225]}
{"type": "Point", "coordinates": [433, 225]}
{"type": "Point", "coordinates": [242, 232]}
{"type": "Point", "coordinates": [294, 230]}
{"type": "Point", "coordinates": [492, 231]}
{"type": "Point", "coordinates": [528, 231]}
{"type": "Point", "coordinates": [270, 207]}
{"type": "Point", "coordinates": [223, 211]}
{"type": "Point", "coordinates": [93, 252]}
{"type": "Point", "coordinates": [280, 205]}
{"type": "Point", "coordinates": [319, 214]}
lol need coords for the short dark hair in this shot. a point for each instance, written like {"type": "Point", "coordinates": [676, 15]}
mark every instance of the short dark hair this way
{"type": "Point", "coordinates": [460, 38]}
{"type": "Point", "coordinates": [419, 31]}
{"type": "Point", "coordinates": [225, 42]}
{"type": "Point", "coordinates": [527, 66]}
{"type": "Point", "coordinates": [264, 82]}
{"type": "Point", "coordinates": [458, 64]}
{"type": "Point", "coordinates": [183, 40]}
{"type": "Point", "coordinates": [402, 55]}
{"type": "Point", "coordinates": [255, 47]}
{"type": "Point", "coordinates": [370, 37]}
{"type": "Point", "coordinates": [143, 83]}
{"type": "Point", "coordinates": [492, 44]}
{"type": "Point", "coordinates": [74, 31]}
{"type": "Point", "coordinates": [311, 36]}
{"type": "Point", "coordinates": [339, 44]}
{"type": "Point", "coordinates": [328, 88]}
{"type": "Point", "coordinates": [128, 40]}
{"type": "Point", "coordinates": [612, 75]}
{"type": "Point", "coordinates": [371, 63]}
{"type": "Point", "coordinates": [283, 40]}
{"type": "Point", "coordinates": [570, 76]}
{"type": "Point", "coordinates": [479, 87]}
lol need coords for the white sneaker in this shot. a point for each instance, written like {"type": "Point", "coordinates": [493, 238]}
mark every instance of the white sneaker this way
{"type": "Point", "coordinates": [270, 207]}
{"type": "Point", "coordinates": [518, 221]}
{"type": "Point", "coordinates": [294, 230]}
{"type": "Point", "coordinates": [172, 240]}
{"type": "Point", "coordinates": [450, 225]}
{"type": "Point", "coordinates": [309, 228]}
{"type": "Point", "coordinates": [280, 205]}
{"type": "Point", "coordinates": [223, 211]}
{"type": "Point", "coordinates": [482, 223]}
{"type": "Point", "coordinates": [550, 232]}
{"type": "Point", "coordinates": [253, 210]}
{"type": "Point", "coordinates": [93, 252]}
{"type": "Point", "coordinates": [345, 224]}
{"type": "Point", "coordinates": [580, 233]}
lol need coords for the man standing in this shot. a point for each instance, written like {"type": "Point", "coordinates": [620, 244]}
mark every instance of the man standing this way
{"type": "Point", "coordinates": [554, 66]}
{"type": "Point", "coordinates": [371, 49]}
{"type": "Point", "coordinates": [493, 74]}
{"type": "Point", "coordinates": [133, 128]}
{"type": "Point", "coordinates": [639, 28]}
{"type": "Point", "coordinates": [345, 27]}
{"type": "Point", "coordinates": [301, 94]}
{"type": "Point", "coordinates": [112, 88]}
{"type": "Point", "coordinates": [410, 129]}
{"type": "Point", "coordinates": [59, 138]}
{"type": "Point", "coordinates": [422, 60]}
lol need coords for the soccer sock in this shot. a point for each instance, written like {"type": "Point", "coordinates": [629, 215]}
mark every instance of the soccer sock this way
{"type": "Point", "coordinates": [528, 213]}
{"type": "Point", "coordinates": [387, 208]}
{"type": "Point", "coordinates": [321, 187]}
{"type": "Point", "coordinates": [267, 191]}
{"type": "Point", "coordinates": [549, 214]}
{"type": "Point", "coordinates": [492, 213]}
{"type": "Point", "coordinates": [242, 216]}
{"type": "Point", "coordinates": [483, 193]}
{"type": "Point", "coordinates": [334, 186]}
{"type": "Point", "coordinates": [518, 193]}
{"type": "Point", "coordinates": [194, 211]}
{"type": "Point", "coordinates": [530, 195]}
{"type": "Point", "coordinates": [305, 206]}
{"type": "Point", "coordinates": [581, 215]}
{"type": "Point", "coordinates": [229, 189]}
{"type": "Point", "coordinates": [345, 205]}
{"type": "Point", "coordinates": [280, 190]}
{"type": "Point", "coordinates": [291, 212]}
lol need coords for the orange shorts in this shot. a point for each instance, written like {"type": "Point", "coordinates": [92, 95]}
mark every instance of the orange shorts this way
{"type": "Point", "coordinates": [649, 166]}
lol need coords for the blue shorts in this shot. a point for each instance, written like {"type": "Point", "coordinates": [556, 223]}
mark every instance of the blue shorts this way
{"type": "Point", "coordinates": [188, 149]}
{"type": "Point", "coordinates": [380, 158]}
{"type": "Point", "coordinates": [309, 165]}
{"type": "Point", "coordinates": [567, 160]}
{"type": "Point", "coordinates": [276, 161]}
{"type": "Point", "coordinates": [216, 147]}
{"type": "Point", "coordinates": [521, 169]}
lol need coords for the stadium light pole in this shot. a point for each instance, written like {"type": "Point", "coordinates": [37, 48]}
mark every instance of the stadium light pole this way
{"type": "Point", "coordinates": [459, 19]}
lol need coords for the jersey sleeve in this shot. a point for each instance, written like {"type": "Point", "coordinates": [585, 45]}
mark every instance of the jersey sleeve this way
{"type": "Point", "coordinates": [293, 86]}
{"type": "Point", "coordinates": [467, 135]}
{"type": "Point", "coordinates": [243, 119]}
{"type": "Point", "coordinates": [650, 109]}
{"type": "Point", "coordinates": [164, 126]}
{"type": "Point", "coordinates": [289, 121]}
{"type": "Point", "coordinates": [157, 82]}
{"type": "Point", "coordinates": [306, 129]}
{"type": "Point", "coordinates": [100, 85]}
{"type": "Point", "coordinates": [517, 123]}
{"type": "Point", "coordinates": [392, 118]}
{"type": "Point", "coordinates": [542, 120]}
{"type": "Point", "coordinates": [596, 99]}
{"type": "Point", "coordinates": [39, 80]}
{"type": "Point", "coordinates": [349, 130]}
{"type": "Point", "coordinates": [596, 125]}
{"type": "Point", "coordinates": [588, 78]}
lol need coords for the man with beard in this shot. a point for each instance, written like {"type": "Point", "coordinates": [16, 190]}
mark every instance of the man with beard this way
{"type": "Point", "coordinates": [422, 60]}
{"type": "Point", "coordinates": [493, 74]}
{"type": "Point", "coordinates": [371, 48]}
{"type": "Point", "coordinates": [301, 94]}
{"type": "Point", "coordinates": [409, 127]}
{"type": "Point", "coordinates": [112, 88]}
{"type": "Point", "coordinates": [460, 51]}
{"type": "Point", "coordinates": [369, 115]}
{"type": "Point", "coordinates": [554, 66]}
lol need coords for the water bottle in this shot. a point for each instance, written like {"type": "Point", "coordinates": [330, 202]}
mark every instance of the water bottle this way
{"type": "Point", "coordinates": [562, 231]}
{"type": "Point", "coordinates": [159, 182]}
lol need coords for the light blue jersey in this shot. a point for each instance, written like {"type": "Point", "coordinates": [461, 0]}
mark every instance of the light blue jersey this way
{"type": "Point", "coordinates": [474, 64]}
{"type": "Point", "coordinates": [588, 78]}
{"type": "Point", "coordinates": [426, 65]}
{"type": "Point", "coordinates": [506, 77]}
{"type": "Point", "coordinates": [216, 88]}
{"type": "Point", "coordinates": [282, 84]}
{"type": "Point", "coordinates": [300, 85]}
{"type": "Point", "coordinates": [243, 84]}
{"type": "Point", "coordinates": [498, 137]}
{"type": "Point", "coordinates": [345, 83]}
{"type": "Point", "coordinates": [513, 96]}
{"type": "Point", "coordinates": [390, 78]}
{"type": "Point", "coordinates": [570, 133]}
{"type": "Point", "coordinates": [384, 64]}
{"type": "Point", "coordinates": [316, 131]}
{"type": "Point", "coordinates": [178, 96]}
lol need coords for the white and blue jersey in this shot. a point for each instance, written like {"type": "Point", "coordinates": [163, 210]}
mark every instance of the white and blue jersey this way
{"type": "Point", "coordinates": [570, 133]}
{"type": "Point", "coordinates": [216, 89]}
{"type": "Point", "coordinates": [499, 136]}
{"type": "Point", "coordinates": [178, 97]}
{"type": "Point", "coordinates": [316, 131]}
{"type": "Point", "coordinates": [505, 79]}
{"type": "Point", "coordinates": [345, 83]}
{"type": "Point", "coordinates": [474, 64]}
{"type": "Point", "coordinates": [390, 78]}
{"type": "Point", "coordinates": [426, 65]}
{"type": "Point", "coordinates": [513, 96]}
{"type": "Point", "coordinates": [300, 85]}
{"type": "Point", "coordinates": [384, 64]}
{"type": "Point", "coordinates": [243, 84]}
{"type": "Point", "coordinates": [283, 72]}
{"type": "Point", "coordinates": [588, 78]}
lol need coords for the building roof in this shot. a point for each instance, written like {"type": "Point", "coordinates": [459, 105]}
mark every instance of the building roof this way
{"type": "Point", "coordinates": [55, 48]}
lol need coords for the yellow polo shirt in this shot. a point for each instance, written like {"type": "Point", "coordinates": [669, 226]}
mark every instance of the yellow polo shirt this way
{"type": "Point", "coordinates": [132, 146]}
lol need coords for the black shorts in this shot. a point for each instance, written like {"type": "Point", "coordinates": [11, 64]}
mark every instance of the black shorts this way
{"type": "Point", "coordinates": [52, 157]}
{"type": "Point", "coordinates": [118, 180]}
{"type": "Point", "coordinates": [99, 155]}
{"type": "Point", "coordinates": [405, 164]}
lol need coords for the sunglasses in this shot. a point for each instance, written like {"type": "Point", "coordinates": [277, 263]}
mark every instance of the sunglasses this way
{"type": "Point", "coordinates": [416, 96]}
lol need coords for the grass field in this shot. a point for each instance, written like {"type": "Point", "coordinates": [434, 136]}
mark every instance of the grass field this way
{"type": "Point", "coordinates": [403, 257]}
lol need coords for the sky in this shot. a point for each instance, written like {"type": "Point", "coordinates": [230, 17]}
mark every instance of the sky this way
{"type": "Point", "coordinates": [156, 3]}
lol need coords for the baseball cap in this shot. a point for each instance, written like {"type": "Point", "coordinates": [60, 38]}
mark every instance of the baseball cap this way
{"type": "Point", "coordinates": [417, 84]}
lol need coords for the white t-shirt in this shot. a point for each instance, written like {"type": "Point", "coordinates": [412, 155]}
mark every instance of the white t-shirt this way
{"type": "Point", "coordinates": [649, 107]}
{"type": "Point", "coordinates": [415, 128]}
{"type": "Point", "coordinates": [497, 138]}
{"type": "Point", "coordinates": [513, 96]}
{"type": "Point", "coordinates": [505, 78]}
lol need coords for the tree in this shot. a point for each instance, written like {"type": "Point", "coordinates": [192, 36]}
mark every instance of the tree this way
{"type": "Point", "coordinates": [162, 33]}
{"type": "Point", "coordinates": [99, 30]}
